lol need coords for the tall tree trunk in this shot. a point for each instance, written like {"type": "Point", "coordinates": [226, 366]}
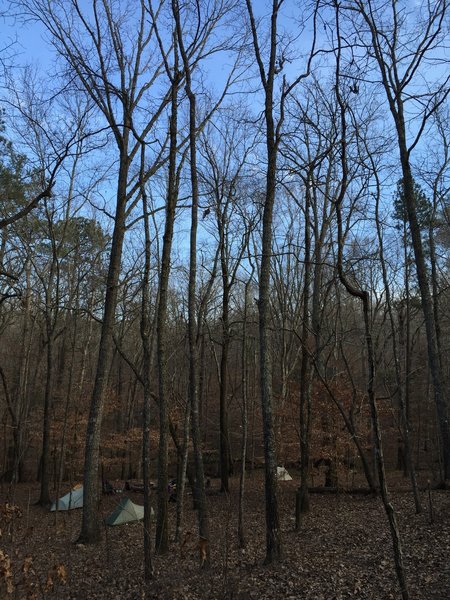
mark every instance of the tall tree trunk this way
{"type": "Point", "coordinates": [90, 526]}
{"type": "Point", "coordinates": [400, 384]}
{"type": "Point", "coordinates": [203, 525]}
{"type": "Point", "coordinates": [223, 400]}
{"type": "Point", "coordinates": [244, 420]}
{"type": "Point", "coordinates": [21, 396]}
{"type": "Point", "coordinates": [162, 535]}
{"type": "Point", "coordinates": [302, 496]}
{"type": "Point", "coordinates": [379, 458]}
{"type": "Point", "coordinates": [364, 298]}
{"type": "Point", "coordinates": [69, 401]}
{"type": "Point", "coordinates": [273, 538]}
{"type": "Point", "coordinates": [51, 312]}
{"type": "Point", "coordinates": [407, 344]}
{"type": "Point", "coordinates": [181, 479]}
{"type": "Point", "coordinates": [427, 307]}
{"type": "Point", "coordinates": [147, 363]}
{"type": "Point", "coordinates": [44, 497]}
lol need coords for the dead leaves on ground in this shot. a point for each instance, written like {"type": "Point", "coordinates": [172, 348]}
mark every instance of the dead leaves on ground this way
{"type": "Point", "coordinates": [342, 551]}
{"type": "Point", "coordinates": [25, 579]}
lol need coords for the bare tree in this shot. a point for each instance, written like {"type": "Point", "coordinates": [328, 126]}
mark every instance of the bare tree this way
{"type": "Point", "coordinates": [33, 111]}
{"type": "Point", "coordinates": [363, 295]}
{"type": "Point", "coordinates": [273, 119]}
{"type": "Point", "coordinates": [173, 73]}
{"type": "Point", "coordinates": [118, 73]}
{"type": "Point", "coordinates": [225, 147]}
{"type": "Point", "coordinates": [241, 532]}
{"type": "Point", "coordinates": [192, 324]}
{"type": "Point", "coordinates": [401, 54]}
{"type": "Point", "coordinates": [193, 44]}
{"type": "Point", "coordinates": [400, 385]}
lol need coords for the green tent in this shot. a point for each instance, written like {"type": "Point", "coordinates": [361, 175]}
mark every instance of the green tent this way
{"type": "Point", "coordinates": [74, 499]}
{"type": "Point", "coordinates": [126, 512]}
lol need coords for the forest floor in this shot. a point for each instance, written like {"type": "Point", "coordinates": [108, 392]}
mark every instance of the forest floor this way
{"type": "Point", "coordinates": [343, 550]}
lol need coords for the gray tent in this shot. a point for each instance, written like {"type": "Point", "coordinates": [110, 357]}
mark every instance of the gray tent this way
{"type": "Point", "coordinates": [126, 512]}
{"type": "Point", "coordinates": [283, 475]}
{"type": "Point", "coordinates": [74, 499]}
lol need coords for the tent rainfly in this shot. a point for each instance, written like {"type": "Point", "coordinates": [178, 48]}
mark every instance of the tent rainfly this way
{"type": "Point", "coordinates": [126, 512]}
{"type": "Point", "coordinates": [283, 475]}
{"type": "Point", "coordinates": [74, 499]}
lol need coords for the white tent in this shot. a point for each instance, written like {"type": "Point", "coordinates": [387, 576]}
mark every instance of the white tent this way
{"type": "Point", "coordinates": [126, 512]}
{"type": "Point", "coordinates": [74, 499]}
{"type": "Point", "coordinates": [283, 475]}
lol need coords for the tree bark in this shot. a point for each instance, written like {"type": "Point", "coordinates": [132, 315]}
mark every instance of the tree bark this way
{"type": "Point", "coordinates": [400, 385]}
{"type": "Point", "coordinates": [51, 313]}
{"type": "Point", "coordinates": [302, 496]}
{"type": "Point", "coordinates": [203, 524]}
{"type": "Point", "coordinates": [364, 298]}
{"type": "Point", "coordinates": [90, 526]}
{"type": "Point", "coordinates": [162, 539]}
{"type": "Point", "coordinates": [273, 537]}
{"type": "Point", "coordinates": [147, 363]}
{"type": "Point", "coordinates": [244, 420]}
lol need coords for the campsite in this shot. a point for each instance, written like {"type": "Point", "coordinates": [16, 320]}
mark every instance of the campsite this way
{"type": "Point", "coordinates": [342, 551]}
{"type": "Point", "coordinates": [224, 300]}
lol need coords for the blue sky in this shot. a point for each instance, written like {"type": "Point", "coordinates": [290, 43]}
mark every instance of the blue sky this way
{"type": "Point", "coordinates": [24, 43]}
